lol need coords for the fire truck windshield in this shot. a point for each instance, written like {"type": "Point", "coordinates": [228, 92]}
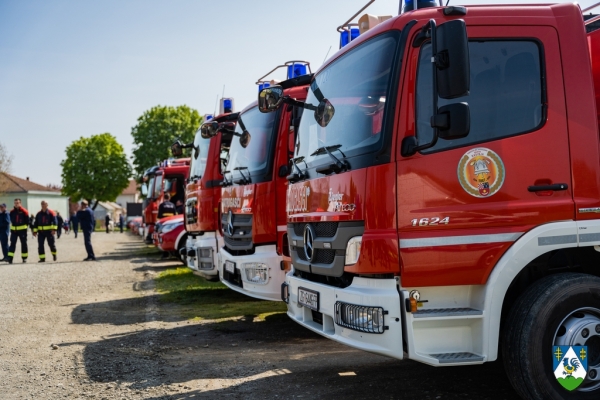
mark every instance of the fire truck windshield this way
{"type": "Point", "coordinates": [157, 187]}
{"type": "Point", "coordinates": [255, 160]}
{"type": "Point", "coordinates": [199, 156]}
{"type": "Point", "coordinates": [357, 85]}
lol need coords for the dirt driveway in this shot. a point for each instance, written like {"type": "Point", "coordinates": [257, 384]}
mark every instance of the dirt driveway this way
{"type": "Point", "coordinates": [100, 330]}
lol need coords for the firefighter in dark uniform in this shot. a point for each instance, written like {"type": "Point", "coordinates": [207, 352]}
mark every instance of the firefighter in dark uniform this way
{"type": "Point", "coordinates": [45, 228]}
{"type": "Point", "coordinates": [19, 219]}
{"type": "Point", "coordinates": [166, 208]}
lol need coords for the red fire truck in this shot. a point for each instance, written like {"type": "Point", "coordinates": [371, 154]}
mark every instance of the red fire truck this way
{"type": "Point", "coordinates": [253, 216]}
{"type": "Point", "coordinates": [203, 192]}
{"type": "Point", "coordinates": [168, 177]}
{"type": "Point", "coordinates": [447, 202]}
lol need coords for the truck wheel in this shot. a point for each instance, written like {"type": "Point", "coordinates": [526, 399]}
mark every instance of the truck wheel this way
{"type": "Point", "coordinates": [181, 245]}
{"type": "Point", "coordinates": [559, 310]}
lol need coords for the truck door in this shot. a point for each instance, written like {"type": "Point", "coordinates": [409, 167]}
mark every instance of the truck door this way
{"type": "Point", "coordinates": [462, 203]}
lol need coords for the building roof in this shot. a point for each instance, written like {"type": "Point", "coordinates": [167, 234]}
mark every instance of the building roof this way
{"type": "Point", "coordinates": [131, 189]}
{"type": "Point", "coordinates": [109, 205]}
{"type": "Point", "coordinates": [14, 184]}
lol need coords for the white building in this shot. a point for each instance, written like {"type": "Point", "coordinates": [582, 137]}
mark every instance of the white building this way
{"type": "Point", "coordinates": [31, 195]}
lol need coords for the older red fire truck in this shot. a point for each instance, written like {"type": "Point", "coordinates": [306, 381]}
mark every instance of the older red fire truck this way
{"type": "Point", "coordinates": [447, 202]}
{"type": "Point", "coordinates": [203, 192]}
{"type": "Point", "coordinates": [253, 217]}
{"type": "Point", "coordinates": [168, 177]}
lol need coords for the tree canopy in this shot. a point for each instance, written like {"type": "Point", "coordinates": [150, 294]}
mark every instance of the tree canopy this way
{"type": "Point", "coordinates": [96, 168]}
{"type": "Point", "coordinates": [157, 129]}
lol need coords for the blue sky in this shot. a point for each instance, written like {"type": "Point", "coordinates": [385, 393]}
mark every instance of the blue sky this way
{"type": "Point", "coordinates": [78, 68]}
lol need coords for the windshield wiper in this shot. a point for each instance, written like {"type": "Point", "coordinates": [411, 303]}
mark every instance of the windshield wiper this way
{"type": "Point", "coordinates": [226, 182]}
{"type": "Point", "coordinates": [337, 166]}
{"type": "Point", "coordinates": [245, 180]}
{"type": "Point", "coordinates": [296, 176]}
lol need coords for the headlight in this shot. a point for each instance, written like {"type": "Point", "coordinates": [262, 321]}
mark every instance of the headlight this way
{"type": "Point", "coordinates": [353, 250]}
{"type": "Point", "coordinates": [257, 273]}
{"type": "Point", "coordinates": [205, 252]}
{"type": "Point", "coordinates": [169, 227]}
{"type": "Point", "coordinates": [360, 318]}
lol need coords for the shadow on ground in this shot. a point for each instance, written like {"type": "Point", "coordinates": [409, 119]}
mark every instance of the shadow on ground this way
{"type": "Point", "coordinates": [276, 358]}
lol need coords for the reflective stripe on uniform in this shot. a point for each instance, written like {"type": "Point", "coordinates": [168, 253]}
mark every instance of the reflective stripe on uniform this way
{"type": "Point", "coordinates": [18, 228]}
{"type": "Point", "coordinates": [24, 255]}
{"type": "Point", "coordinates": [11, 254]}
{"type": "Point", "coordinates": [47, 228]}
{"type": "Point", "coordinates": [42, 256]}
{"type": "Point", "coordinates": [53, 253]}
{"type": "Point", "coordinates": [168, 214]}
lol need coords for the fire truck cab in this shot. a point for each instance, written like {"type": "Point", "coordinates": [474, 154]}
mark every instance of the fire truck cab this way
{"type": "Point", "coordinates": [203, 194]}
{"type": "Point", "coordinates": [447, 202]}
{"type": "Point", "coordinates": [168, 177]}
{"type": "Point", "coordinates": [253, 217]}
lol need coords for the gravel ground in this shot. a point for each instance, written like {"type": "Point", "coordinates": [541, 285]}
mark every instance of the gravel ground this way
{"type": "Point", "coordinates": [98, 330]}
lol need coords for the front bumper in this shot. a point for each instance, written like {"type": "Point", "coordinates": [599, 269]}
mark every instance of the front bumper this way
{"type": "Point", "coordinates": [363, 292]}
{"type": "Point", "coordinates": [203, 258]}
{"type": "Point", "coordinates": [267, 255]}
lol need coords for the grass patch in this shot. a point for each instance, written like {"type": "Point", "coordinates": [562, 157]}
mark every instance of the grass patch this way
{"type": "Point", "coordinates": [202, 300]}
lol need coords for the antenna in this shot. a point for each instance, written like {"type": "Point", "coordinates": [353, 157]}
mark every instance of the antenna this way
{"type": "Point", "coordinates": [223, 95]}
{"type": "Point", "coordinates": [326, 54]}
{"type": "Point", "coordinates": [217, 102]}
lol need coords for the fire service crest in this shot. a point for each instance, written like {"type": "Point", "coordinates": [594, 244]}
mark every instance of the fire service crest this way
{"type": "Point", "coordinates": [481, 172]}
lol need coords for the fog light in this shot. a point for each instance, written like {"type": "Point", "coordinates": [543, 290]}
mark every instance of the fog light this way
{"type": "Point", "coordinates": [353, 250]}
{"type": "Point", "coordinates": [206, 265]}
{"type": "Point", "coordinates": [257, 273]}
{"type": "Point", "coordinates": [360, 318]}
{"type": "Point", "coordinates": [205, 252]}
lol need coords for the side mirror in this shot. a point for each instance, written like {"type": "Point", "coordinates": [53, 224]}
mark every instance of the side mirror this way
{"type": "Point", "coordinates": [245, 139]}
{"type": "Point", "coordinates": [324, 113]}
{"type": "Point", "coordinates": [144, 189]}
{"type": "Point", "coordinates": [177, 148]}
{"type": "Point", "coordinates": [453, 121]}
{"type": "Point", "coordinates": [270, 99]}
{"type": "Point", "coordinates": [452, 59]}
{"type": "Point", "coordinates": [209, 129]}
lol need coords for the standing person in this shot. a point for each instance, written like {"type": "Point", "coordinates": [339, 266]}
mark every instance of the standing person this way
{"type": "Point", "coordinates": [4, 231]}
{"type": "Point", "coordinates": [121, 222]}
{"type": "Point", "coordinates": [19, 219]}
{"type": "Point", "coordinates": [74, 221]}
{"type": "Point", "coordinates": [107, 222]}
{"type": "Point", "coordinates": [85, 216]}
{"type": "Point", "coordinates": [59, 224]}
{"type": "Point", "coordinates": [166, 208]}
{"type": "Point", "coordinates": [45, 228]}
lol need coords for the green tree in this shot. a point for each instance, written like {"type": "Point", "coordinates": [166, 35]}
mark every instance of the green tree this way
{"type": "Point", "coordinates": [157, 129]}
{"type": "Point", "coordinates": [96, 168]}
{"type": "Point", "coordinates": [5, 162]}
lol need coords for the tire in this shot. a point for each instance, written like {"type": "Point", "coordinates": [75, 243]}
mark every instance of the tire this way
{"type": "Point", "coordinates": [181, 245]}
{"type": "Point", "coordinates": [532, 328]}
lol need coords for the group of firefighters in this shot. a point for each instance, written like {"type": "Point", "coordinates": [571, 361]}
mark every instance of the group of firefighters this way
{"type": "Point", "coordinates": [44, 226]}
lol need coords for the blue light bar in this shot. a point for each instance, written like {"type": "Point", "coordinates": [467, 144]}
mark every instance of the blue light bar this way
{"type": "Point", "coordinates": [296, 70]}
{"type": "Point", "coordinates": [263, 85]}
{"type": "Point", "coordinates": [409, 5]}
{"type": "Point", "coordinates": [346, 37]}
{"type": "Point", "coordinates": [208, 117]}
{"type": "Point", "coordinates": [227, 105]}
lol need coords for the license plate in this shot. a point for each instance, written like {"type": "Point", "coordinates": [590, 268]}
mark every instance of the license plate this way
{"type": "Point", "coordinates": [230, 267]}
{"type": "Point", "coordinates": [308, 298]}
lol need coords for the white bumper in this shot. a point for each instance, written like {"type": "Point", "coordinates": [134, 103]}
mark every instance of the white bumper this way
{"type": "Point", "coordinates": [363, 292]}
{"type": "Point", "coordinates": [204, 263]}
{"type": "Point", "coordinates": [267, 255]}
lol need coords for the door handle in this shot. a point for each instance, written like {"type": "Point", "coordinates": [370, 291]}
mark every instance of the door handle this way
{"type": "Point", "coordinates": [544, 188]}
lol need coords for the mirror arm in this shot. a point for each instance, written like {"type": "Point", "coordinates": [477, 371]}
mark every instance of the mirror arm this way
{"type": "Point", "coordinates": [296, 103]}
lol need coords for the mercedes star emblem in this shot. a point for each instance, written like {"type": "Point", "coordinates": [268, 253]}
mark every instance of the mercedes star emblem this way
{"type": "Point", "coordinates": [309, 237]}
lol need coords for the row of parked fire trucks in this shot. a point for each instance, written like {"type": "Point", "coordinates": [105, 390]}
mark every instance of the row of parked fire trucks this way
{"type": "Point", "coordinates": [432, 192]}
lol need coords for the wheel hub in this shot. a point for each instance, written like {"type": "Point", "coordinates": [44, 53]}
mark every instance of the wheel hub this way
{"type": "Point", "coordinates": [582, 328]}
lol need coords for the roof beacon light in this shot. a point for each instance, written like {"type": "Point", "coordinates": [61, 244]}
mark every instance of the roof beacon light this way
{"type": "Point", "coordinates": [294, 69]}
{"type": "Point", "coordinates": [348, 35]}
{"type": "Point", "coordinates": [208, 117]}
{"type": "Point", "coordinates": [368, 21]}
{"type": "Point", "coordinates": [227, 105]}
{"type": "Point", "coordinates": [410, 5]}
